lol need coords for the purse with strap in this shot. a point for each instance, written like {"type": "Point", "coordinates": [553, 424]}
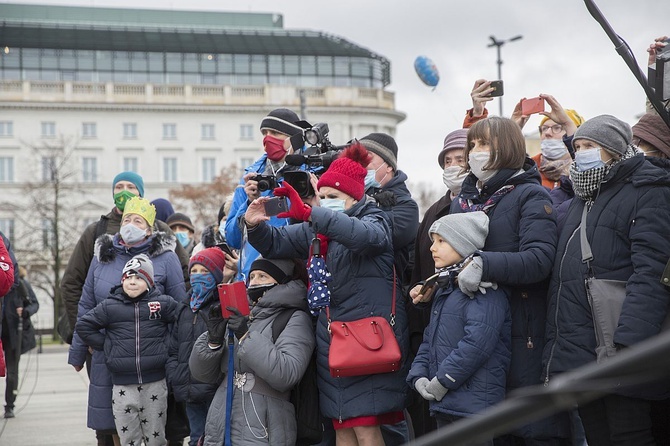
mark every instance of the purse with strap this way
{"type": "Point", "coordinates": [365, 346]}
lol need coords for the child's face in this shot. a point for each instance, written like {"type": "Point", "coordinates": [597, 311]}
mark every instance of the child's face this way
{"type": "Point", "coordinates": [133, 286]}
{"type": "Point", "coordinates": [443, 254]}
{"type": "Point", "coordinates": [199, 269]}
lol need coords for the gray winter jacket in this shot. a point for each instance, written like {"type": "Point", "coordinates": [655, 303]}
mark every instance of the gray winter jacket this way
{"type": "Point", "coordinates": [266, 371]}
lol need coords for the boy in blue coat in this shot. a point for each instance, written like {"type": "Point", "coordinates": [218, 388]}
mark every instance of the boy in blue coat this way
{"type": "Point", "coordinates": [462, 363]}
{"type": "Point", "coordinates": [136, 319]}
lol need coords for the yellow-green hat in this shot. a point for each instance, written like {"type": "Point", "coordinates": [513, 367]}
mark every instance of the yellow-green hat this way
{"type": "Point", "coordinates": [574, 116]}
{"type": "Point", "coordinates": [141, 207]}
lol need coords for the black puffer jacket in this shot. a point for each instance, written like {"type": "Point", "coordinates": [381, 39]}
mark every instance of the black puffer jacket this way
{"type": "Point", "coordinates": [628, 230]}
{"type": "Point", "coordinates": [135, 332]}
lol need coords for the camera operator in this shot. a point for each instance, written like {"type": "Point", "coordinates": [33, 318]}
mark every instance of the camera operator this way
{"type": "Point", "coordinates": [260, 179]}
{"type": "Point", "coordinates": [386, 184]}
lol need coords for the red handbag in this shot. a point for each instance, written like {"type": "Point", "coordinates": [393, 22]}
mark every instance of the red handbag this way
{"type": "Point", "coordinates": [365, 346]}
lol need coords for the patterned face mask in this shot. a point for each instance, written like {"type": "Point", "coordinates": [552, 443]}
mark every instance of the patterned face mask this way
{"type": "Point", "coordinates": [202, 286]}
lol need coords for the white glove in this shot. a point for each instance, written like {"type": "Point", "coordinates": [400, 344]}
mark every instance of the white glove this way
{"type": "Point", "coordinates": [436, 389]}
{"type": "Point", "coordinates": [471, 276]}
{"type": "Point", "coordinates": [420, 386]}
{"type": "Point", "coordinates": [484, 285]}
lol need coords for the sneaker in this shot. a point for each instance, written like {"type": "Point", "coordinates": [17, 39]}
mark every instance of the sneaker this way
{"type": "Point", "coordinates": [9, 413]}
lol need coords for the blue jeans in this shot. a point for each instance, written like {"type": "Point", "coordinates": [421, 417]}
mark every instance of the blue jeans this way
{"type": "Point", "coordinates": [197, 414]}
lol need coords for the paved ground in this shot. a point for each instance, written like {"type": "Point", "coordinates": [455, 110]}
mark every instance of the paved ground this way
{"type": "Point", "coordinates": [51, 405]}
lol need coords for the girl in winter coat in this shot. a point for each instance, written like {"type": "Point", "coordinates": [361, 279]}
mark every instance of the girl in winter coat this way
{"type": "Point", "coordinates": [462, 363]}
{"type": "Point", "coordinates": [266, 369]}
{"type": "Point", "coordinates": [136, 236]}
{"type": "Point", "coordinates": [207, 270]}
{"type": "Point", "coordinates": [519, 250]}
{"type": "Point", "coordinates": [360, 258]}
{"type": "Point", "coordinates": [626, 199]}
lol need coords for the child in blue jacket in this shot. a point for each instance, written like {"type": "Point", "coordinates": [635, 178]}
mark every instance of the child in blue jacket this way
{"type": "Point", "coordinates": [462, 363]}
{"type": "Point", "coordinates": [136, 320]}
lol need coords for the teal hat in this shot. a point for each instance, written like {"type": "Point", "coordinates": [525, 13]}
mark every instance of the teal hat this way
{"type": "Point", "coordinates": [131, 177]}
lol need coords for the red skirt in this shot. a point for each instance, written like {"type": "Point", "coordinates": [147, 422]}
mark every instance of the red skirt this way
{"type": "Point", "coordinates": [372, 420]}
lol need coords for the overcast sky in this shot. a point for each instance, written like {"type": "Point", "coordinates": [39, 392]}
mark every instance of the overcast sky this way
{"type": "Point", "coordinates": [564, 52]}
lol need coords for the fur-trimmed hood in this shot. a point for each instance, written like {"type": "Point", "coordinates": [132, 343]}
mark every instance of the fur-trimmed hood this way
{"type": "Point", "coordinates": [107, 246]}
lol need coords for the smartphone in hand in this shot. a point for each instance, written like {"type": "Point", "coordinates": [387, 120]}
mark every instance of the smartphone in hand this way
{"type": "Point", "coordinates": [532, 105]}
{"type": "Point", "coordinates": [498, 86]}
{"type": "Point", "coordinates": [276, 206]}
{"type": "Point", "coordinates": [233, 295]}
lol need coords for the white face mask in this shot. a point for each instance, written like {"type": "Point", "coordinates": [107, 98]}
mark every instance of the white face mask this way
{"type": "Point", "coordinates": [131, 234]}
{"type": "Point", "coordinates": [477, 161]}
{"type": "Point", "coordinates": [453, 178]}
{"type": "Point", "coordinates": [553, 149]}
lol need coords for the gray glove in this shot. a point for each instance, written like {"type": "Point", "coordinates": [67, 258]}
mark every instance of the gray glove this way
{"type": "Point", "coordinates": [420, 386]}
{"type": "Point", "coordinates": [471, 276]}
{"type": "Point", "coordinates": [436, 389]}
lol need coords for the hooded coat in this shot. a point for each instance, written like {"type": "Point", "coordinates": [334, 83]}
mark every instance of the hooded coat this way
{"type": "Point", "coordinates": [261, 412]}
{"type": "Point", "coordinates": [360, 259]}
{"type": "Point", "coordinates": [22, 296]}
{"type": "Point", "coordinates": [104, 274]}
{"type": "Point", "coordinates": [627, 228]}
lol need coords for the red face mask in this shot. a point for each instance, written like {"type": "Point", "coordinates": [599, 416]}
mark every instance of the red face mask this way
{"type": "Point", "coordinates": [274, 147]}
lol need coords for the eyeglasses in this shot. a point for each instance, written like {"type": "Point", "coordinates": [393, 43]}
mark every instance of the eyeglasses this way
{"type": "Point", "coordinates": [556, 128]}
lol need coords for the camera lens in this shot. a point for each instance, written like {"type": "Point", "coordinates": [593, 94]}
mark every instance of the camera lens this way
{"type": "Point", "coordinates": [263, 185]}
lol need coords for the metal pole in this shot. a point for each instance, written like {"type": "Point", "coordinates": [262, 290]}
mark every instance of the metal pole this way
{"type": "Point", "coordinates": [500, 98]}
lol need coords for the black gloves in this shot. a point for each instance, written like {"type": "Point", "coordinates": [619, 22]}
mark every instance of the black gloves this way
{"type": "Point", "coordinates": [216, 325]}
{"type": "Point", "coordinates": [237, 322]}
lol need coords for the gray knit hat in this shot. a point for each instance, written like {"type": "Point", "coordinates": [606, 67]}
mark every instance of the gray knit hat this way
{"type": "Point", "coordinates": [611, 133]}
{"type": "Point", "coordinates": [142, 266]}
{"type": "Point", "coordinates": [383, 145]}
{"type": "Point", "coordinates": [465, 232]}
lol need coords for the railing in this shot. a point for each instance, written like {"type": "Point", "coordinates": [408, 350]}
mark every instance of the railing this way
{"type": "Point", "coordinates": [256, 95]}
{"type": "Point", "coordinates": [643, 363]}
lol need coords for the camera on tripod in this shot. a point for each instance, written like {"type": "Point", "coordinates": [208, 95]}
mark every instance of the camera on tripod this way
{"type": "Point", "coordinates": [659, 73]}
{"type": "Point", "coordinates": [265, 182]}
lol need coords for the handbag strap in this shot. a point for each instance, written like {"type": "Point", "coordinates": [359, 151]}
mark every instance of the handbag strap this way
{"type": "Point", "coordinates": [391, 319]}
{"type": "Point", "coordinates": [230, 390]}
{"type": "Point", "coordinates": [587, 255]}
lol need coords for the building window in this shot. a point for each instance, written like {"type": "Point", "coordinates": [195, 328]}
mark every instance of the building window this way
{"type": "Point", "coordinates": [48, 129]}
{"type": "Point", "coordinates": [48, 168]}
{"type": "Point", "coordinates": [129, 130]}
{"type": "Point", "coordinates": [246, 162]}
{"type": "Point", "coordinates": [6, 129]}
{"type": "Point", "coordinates": [208, 169]}
{"type": "Point", "coordinates": [207, 131]}
{"type": "Point", "coordinates": [7, 228]}
{"type": "Point", "coordinates": [89, 169]}
{"type": "Point", "coordinates": [130, 164]}
{"type": "Point", "coordinates": [170, 170]}
{"type": "Point", "coordinates": [47, 233]}
{"type": "Point", "coordinates": [169, 131]}
{"type": "Point", "coordinates": [89, 130]}
{"type": "Point", "coordinates": [6, 169]}
{"type": "Point", "coordinates": [247, 131]}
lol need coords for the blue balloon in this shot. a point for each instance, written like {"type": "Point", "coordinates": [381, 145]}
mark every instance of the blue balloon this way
{"type": "Point", "coordinates": [427, 71]}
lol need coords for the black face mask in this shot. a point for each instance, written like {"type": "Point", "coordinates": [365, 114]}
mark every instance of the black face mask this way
{"type": "Point", "coordinates": [256, 292]}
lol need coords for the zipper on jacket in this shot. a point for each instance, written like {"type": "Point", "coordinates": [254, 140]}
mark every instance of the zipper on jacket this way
{"type": "Point", "coordinates": [558, 298]}
{"type": "Point", "coordinates": [137, 342]}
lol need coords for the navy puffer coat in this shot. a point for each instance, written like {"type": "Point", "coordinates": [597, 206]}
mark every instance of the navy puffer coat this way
{"type": "Point", "coordinates": [134, 334]}
{"type": "Point", "coordinates": [360, 258]}
{"type": "Point", "coordinates": [627, 227]}
{"type": "Point", "coordinates": [467, 345]}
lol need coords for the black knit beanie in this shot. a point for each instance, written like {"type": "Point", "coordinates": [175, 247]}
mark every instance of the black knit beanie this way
{"type": "Point", "coordinates": [282, 120]}
{"type": "Point", "coordinates": [280, 270]}
{"type": "Point", "coordinates": [383, 145]}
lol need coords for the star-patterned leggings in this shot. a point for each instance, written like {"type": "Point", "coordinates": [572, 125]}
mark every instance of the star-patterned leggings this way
{"type": "Point", "coordinates": [140, 411]}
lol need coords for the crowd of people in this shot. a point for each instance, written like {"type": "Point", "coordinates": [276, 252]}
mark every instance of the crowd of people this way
{"type": "Point", "coordinates": [489, 292]}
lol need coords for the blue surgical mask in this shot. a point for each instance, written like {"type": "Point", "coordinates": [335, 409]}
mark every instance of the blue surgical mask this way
{"type": "Point", "coordinates": [553, 149]}
{"type": "Point", "coordinates": [183, 238]}
{"type": "Point", "coordinates": [202, 286]}
{"type": "Point", "coordinates": [588, 159]}
{"type": "Point", "coordinates": [222, 229]}
{"type": "Point", "coordinates": [370, 180]}
{"type": "Point", "coordinates": [334, 204]}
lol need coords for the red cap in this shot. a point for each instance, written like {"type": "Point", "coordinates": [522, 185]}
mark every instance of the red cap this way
{"type": "Point", "coordinates": [347, 173]}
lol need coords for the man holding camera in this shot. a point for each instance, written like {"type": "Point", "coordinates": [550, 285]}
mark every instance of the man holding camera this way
{"type": "Point", "coordinates": [260, 179]}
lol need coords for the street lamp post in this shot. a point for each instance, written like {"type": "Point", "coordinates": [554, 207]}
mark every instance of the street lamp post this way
{"type": "Point", "coordinates": [498, 43]}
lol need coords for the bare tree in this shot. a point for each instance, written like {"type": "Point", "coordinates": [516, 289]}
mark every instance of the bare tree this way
{"type": "Point", "coordinates": [425, 194]}
{"type": "Point", "coordinates": [46, 241]}
{"type": "Point", "coordinates": [204, 200]}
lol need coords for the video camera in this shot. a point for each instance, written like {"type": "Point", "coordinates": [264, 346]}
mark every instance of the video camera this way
{"type": "Point", "coordinates": [659, 73]}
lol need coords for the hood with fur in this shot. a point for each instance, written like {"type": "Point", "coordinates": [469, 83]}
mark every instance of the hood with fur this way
{"type": "Point", "coordinates": [107, 246]}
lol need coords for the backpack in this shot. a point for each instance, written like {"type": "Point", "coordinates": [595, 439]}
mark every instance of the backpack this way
{"type": "Point", "coordinates": [305, 394]}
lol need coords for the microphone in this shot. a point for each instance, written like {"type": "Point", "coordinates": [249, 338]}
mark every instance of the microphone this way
{"type": "Point", "coordinates": [295, 160]}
